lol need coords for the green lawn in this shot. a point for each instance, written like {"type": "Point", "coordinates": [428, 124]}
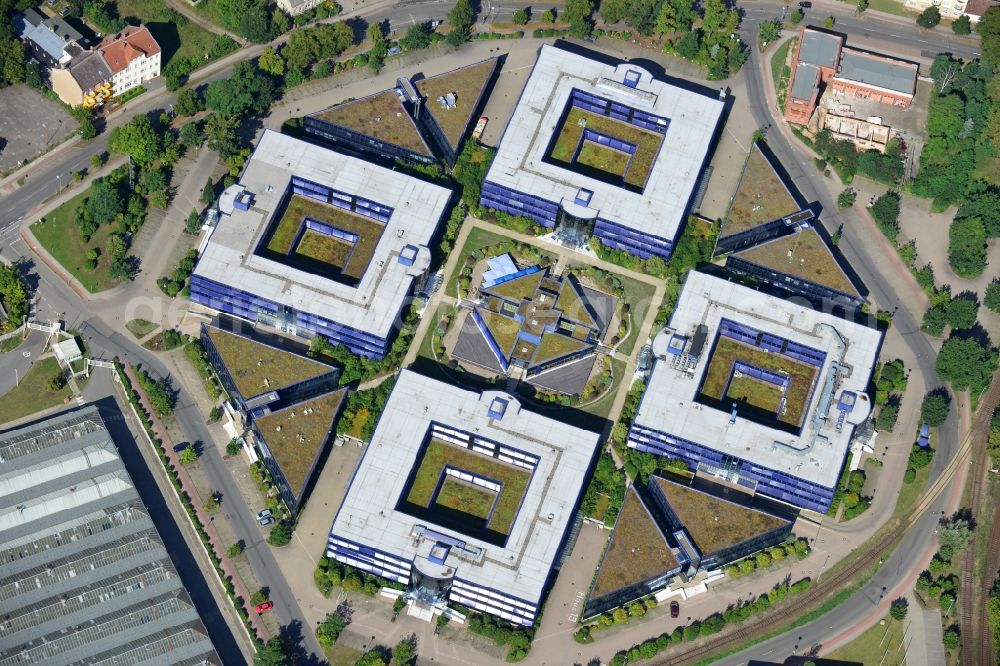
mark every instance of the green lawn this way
{"type": "Point", "coordinates": [60, 236]}
{"type": "Point", "coordinates": [323, 248]}
{"type": "Point", "coordinates": [602, 407]}
{"type": "Point", "coordinates": [140, 328]}
{"type": "Point", "coordinates": [779, 73]}
{"type": "Point", "coordinates": [478, 238]}
{"type": "Point", "coordinates": [177, 36]}
{"type": "Point", "coordinates": [888, 6]}
{"type": "Point", "coordinates": [32, 393]}
{"type": "Point", "coordinates": [879, 645]}
{"type": "Point", "coordinates": [554, 345]}
{"type": "Point", "coordinates": [639, 296]}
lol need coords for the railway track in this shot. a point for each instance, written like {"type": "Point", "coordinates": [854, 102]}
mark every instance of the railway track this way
{"type": "Point", "coordinates": [977, 640]}
{"type": "Point", "coordinates": [874, 552]}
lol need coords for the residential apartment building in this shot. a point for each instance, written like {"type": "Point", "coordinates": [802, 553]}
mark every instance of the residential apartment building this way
{"type": "Point", "coordinates": [976, 8]}
{"type": "Point", "coordinates": [950, 9]}
{"type": "Point", "coordinates": [51, 41]}
{"type": "Point", "coordinates": [86, 82]}
{"type": "Point", "coordinates": [295, 7]}
{"type": "Point", "coordinates": [88, 78]}
{"type": "Point", "coordinates": [133, 57]}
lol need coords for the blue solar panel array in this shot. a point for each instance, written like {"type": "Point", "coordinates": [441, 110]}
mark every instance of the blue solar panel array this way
{"type": "Point", "coordinates": [756, 338]}
{"type": "Point", "coordinates": [805, 354]}
{"type": "Point", "coordinates": [639, 243]}
{"type": "Point", "coordinates": [254, 308]}
{"type": "Point", "coordinates": [513, 276]}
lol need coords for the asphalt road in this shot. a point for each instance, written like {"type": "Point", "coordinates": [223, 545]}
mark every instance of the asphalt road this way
{"type": "Point", "coordinates": [107, 343]}
{"type": "Point", "coordinates": [906, 556]}
{"type": "Point", "coordinates": [865, 30]}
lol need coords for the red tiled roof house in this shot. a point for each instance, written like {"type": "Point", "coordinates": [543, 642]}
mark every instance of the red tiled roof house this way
{"type": "Point", "coordinates": [133, 57]}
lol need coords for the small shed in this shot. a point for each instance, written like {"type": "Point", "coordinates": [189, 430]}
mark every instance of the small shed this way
{"type": "Point", "coordinates": [68, 351]}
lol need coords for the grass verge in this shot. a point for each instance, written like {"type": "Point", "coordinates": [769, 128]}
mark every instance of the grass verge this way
{"type": "Point", "coordinates": [140, 328]}
{"type": "Point", "coordinates": [32, 394]}
{"type": "Point", "coordinates": [60, 236]}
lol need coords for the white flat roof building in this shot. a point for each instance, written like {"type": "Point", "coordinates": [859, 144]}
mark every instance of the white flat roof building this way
{"type": "Point", "coordinates": [640, 214]}
{"type": "Point", "coordinates": [239, 275]}
{"type": "Point", "coordinates": [503, 574]}
{"type": "Point", "coordinates": [798, 463]}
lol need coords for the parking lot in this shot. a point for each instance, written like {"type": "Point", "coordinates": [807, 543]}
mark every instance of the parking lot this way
{"type": "Point", "coordinates": [29, 124]}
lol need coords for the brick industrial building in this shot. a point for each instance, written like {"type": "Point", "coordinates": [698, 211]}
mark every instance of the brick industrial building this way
{"type": "Point", "coordinates": [822, 60]}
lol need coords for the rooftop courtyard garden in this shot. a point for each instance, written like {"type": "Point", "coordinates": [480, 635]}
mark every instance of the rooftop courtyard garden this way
{"type": "Point", "coordinates": [296, 435]}
{"type": "Point", "coordinates": [463, 496]}
{"type": "Point", "coordinates": [637, 551]}
{"type": "Point", "coordinates": [310, 249]}
{"type": "Point", "coordinates": [760, 197]}
{"type": "Point", "coordinates": [714, 523]}
{"type": "Point", "coordinates": [381, 116]}
{"type": "Point", "coordinates": [257, 368]}
{"type": "Point", "coordinates": [758, 393]}
{"type": "Point", "coordinates": [439, 454]}
{"type": "Point", "coordinates": [804, 255]}
{"type": "Point", "coordinates": [467, 84]}
{"type": "Point", "coordinates": [605, 159]}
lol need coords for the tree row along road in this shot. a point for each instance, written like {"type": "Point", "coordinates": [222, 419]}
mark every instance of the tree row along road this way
{"type": "Point", "coordinates": [871, 555]}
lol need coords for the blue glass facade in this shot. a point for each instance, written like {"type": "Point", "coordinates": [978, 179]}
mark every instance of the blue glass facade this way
{"type": "Point", "coordinates": [635, 242]}
{"type": "Point", "coordinates": [513, 202]}
{"type": "Point", "coordinates": [768, 482]}
{"type": "Point", "coordinates": [253, 308]}
{"type": "Point", "coordinates": [792, 285]}
{"type": "Point", "coordinates": [398, 569]}
{"type": "Point", "coordinates": [546, 213]}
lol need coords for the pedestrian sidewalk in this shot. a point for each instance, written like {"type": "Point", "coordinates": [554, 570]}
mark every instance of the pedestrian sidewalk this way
{"type": "Point", "coordinates": [923, 640]}
{"type": "Point", "coordinates": [228, 568]}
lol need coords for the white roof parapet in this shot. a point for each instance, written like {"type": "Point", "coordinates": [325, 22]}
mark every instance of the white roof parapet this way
{"type": "Point", "coordinates": [816, 453]}
{"type": "Point", "coordinates": [661, 207]}
{"type": "Point", "coordinates": [373, 304]}
{"type": "Point", "coordinates": [521, 568]}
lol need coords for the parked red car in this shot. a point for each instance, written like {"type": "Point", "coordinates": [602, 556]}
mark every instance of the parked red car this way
{"type": "Point", "coordinates": [264, 607]}
{"type": "Point", "coordinates": [675, 609]}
